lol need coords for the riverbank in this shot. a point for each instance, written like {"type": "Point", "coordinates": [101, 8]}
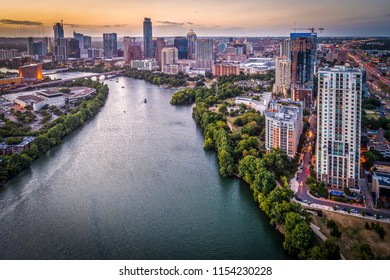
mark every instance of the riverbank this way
{"type": "Point", "coordinates": [51, 133]}
{"type": "Point", "coordinates": [239, 152]}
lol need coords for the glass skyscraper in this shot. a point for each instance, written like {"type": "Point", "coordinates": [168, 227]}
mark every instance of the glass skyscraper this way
{"type": "Point", "coordinates": [181, 43]}
{"type": "Point", "coordinates": [110, 45]}
{"type": "Point", "coordinates": [148, 39]}
{"type": "Point", "coordinates": [58, 30]}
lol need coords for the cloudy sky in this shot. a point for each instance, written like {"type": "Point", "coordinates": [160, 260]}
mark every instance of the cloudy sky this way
{"type": "Point", "coordinates": [206, 17]}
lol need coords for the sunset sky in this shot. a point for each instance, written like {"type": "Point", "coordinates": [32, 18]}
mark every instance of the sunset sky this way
{"type": "Point", "coordinates": [206, 17]}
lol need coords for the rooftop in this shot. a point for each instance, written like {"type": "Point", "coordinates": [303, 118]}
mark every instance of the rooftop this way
{"type": "Point", "coordinates": [284, 110]}
{"type": "Point", "coordinates": [339, 68]}
{"type": "Point", "coordinates": [382, 178]}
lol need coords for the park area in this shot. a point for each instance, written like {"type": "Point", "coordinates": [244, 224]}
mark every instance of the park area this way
{"type": "Point", "coordinates": [356, 231]}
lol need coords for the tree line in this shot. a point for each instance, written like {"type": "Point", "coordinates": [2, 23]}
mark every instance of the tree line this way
{"type": "Point", "coordinates": [240, 154]}
{"type": "Point", "coordinates": [51, 134]}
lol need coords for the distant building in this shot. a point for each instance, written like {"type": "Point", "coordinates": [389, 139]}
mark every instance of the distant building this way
{"type": "Point", "coordinates": [303, 55]}
{"type": "Point", "coordinates": [31, 72]}
{"type": "Point", "coordinates": [148, 38]}
{"type": "Point", "coordinates": [226, 69]}
{"type": "Point", "coordinates": [110, 45]}
{"type": "Point", "coordinates": [11, 81]}
{"type": "Point", "coordinates": [61, 49]}
{"type": "Point", "coordinates": [256, 65]}
{"type": "Point", "coordinates": [6, 149]}
{"type": "Point", "coordinates": [160, 44]}
{"type": "Point", "coordinates": [285, 48]}
{"type": "Point", "coordinates": [95, 53]}
{"type": "Point", "coordinates": [58, 30]}
{"type": "Point", "coordinates": [181, 43]}
{"type": "Point", "coordinates": [169, 55]}
{"type": "Point", "coordinates": [73, 48]}
{"type": "Point", "coordinates": [338, 126]}
{"type": "Point", "coordinates": [191, 36]}
{"type": "Point", "coordinates": [8, 54]}
{"type": "Point", "coordinates": [35, 48]}
{"type": "Point", "coordinates": [133, 52]}
{"type": "Point", "coordinates": [284, 124]}
{"type": "Point", "coordinates": [282, 75]}
{"type": "Point", "coordinates": [146, 64]}
{"type": "Point", "coordinates": [204, 53]}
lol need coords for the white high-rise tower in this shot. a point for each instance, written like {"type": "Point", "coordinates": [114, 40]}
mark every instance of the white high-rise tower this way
{"type": "Point", "coordinates": [338, 126]}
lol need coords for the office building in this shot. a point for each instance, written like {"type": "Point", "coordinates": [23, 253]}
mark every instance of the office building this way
{"type": "Point", "coordinates": [191, 36]}
{"type": "Point", "coordinates": [148, 39]}
{"type": "Point", "coordinates": [146, 64]}
{"type": "Point", "coordinates": [160, 44]}
{"type": "Point", "coordinates": [58, 30]}
{"type": "Point", "coordinates": [226, 69]}
{"type": "Point", "coordinates": [303, 48]}
{"type": "Point", "coordinates": [8, 54]}
{"type": "Point", "coordinates": [204, 53]}
{"type": "Point", "coordinates": [36, 48]}
{"type": "Point", "coordinates": [338, 126]}
{"type": "Point", "coordinates": [73, 48]}
{"type": "Point", "coordinates": [126, 42]}
{"type": "Point", "coordinates": [61, 49]}
{"type": "Point", "coordinates": [283, 126]}
{"type": "Point", "coordinates": [110, 45]}
{"type": "Point", "coordinates": [285, 49]}
{"type": "Point", "coordinates": [31, 72]}
{"type": "Point", "coordinates": [95, 53]}
{"type": "Point", "coordinates": [282, 75]}
{"type": "Point", "coordinates": [181, 44]}
{"type": "Point", "coordinates": [169, 55]}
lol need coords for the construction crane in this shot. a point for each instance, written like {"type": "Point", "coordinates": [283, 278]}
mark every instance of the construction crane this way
{"type": "Point", "coordinates": [312, 29]}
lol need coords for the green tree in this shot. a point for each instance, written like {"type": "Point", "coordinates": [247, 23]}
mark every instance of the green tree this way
{"type": "Point", "coordinates": [299, 239]}
{"type": "Point", "coordinates": [365, 253]}
{"type": "Point", "coordinates": [43, 143]}
{"type": "Point", "coordinates": [331, 250]}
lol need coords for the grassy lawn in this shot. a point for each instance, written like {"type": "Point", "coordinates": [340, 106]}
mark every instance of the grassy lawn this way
{"type": "Point", "coordinates": [354, 233]}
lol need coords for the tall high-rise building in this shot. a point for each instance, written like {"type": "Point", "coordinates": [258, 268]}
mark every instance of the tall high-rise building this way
{"type": "Point", "coordinates": [148, 38]}
{"type": "Point", "coordinates": [338, 126]}
{"type": "Point", "coordinates": [58, 31]}
{"type": "Point", "coordinates": [303, 48]}
{"type": "Point", "coordinates": [126, 42]}
{"type": "Point", "coordinates": [79, 37]}
{"type": "Point", "coordinates": [61, 49]}
{"type": "Point", "coordinates": [285, 49]}
{"type": "Point", "coordinates": [160, 44]}
{"type": "Point", "coordinates": [204, 53]}
{"type": "Point", "coordinates": [110, 45]}
{"type": "Point", "coordinates": [87, 42]}
{"type": "Point", "coordinates": [181, 44]}
{"type": "Point", "coordinates": [134, 52]}
{"type": "Point", "coordinates": [169, 55]}
{"type": "Point", "coordinates": [282, 75]}
{"type": "Point", "coordinates": [283, 125]}
{"type": "Point", "coordinates": [191, 36]}
{"type": "Point", "coordinates": [73, 48]}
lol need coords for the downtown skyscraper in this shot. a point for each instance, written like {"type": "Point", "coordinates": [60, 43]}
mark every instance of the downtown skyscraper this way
{"type": "Point", "coordinates": [110, 45]}
{"type": "Point", "coordinates": [58, 30]}
{"type": "Point", "coordinates": [204, 53]}
{"type": "Point", "coordinates": [148, 39]}
{"type": "Point", "coordinates": [338, 126]}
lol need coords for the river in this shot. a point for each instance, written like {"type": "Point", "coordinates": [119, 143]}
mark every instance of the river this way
{"type": "Point", "coordinates": [133, 183]}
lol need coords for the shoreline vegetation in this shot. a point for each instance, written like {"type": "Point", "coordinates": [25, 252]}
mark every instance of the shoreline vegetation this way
{"type": "Point", "coordinates": [51, 133]}
{"type": "Point", "coordinates": [241, 154]}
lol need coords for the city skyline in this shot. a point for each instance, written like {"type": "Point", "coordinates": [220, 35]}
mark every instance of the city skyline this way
{"type": "Point", "coordinates": [216, 18]}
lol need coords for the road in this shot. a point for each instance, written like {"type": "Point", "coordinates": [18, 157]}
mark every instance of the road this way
{"type": "Point", "coordinates": [301, 190]}
{"type": "Point", "coordinates": [55, 82]}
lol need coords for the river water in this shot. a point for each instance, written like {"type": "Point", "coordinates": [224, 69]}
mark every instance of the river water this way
{"type": "Point", "coordinates": [133, 183]}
